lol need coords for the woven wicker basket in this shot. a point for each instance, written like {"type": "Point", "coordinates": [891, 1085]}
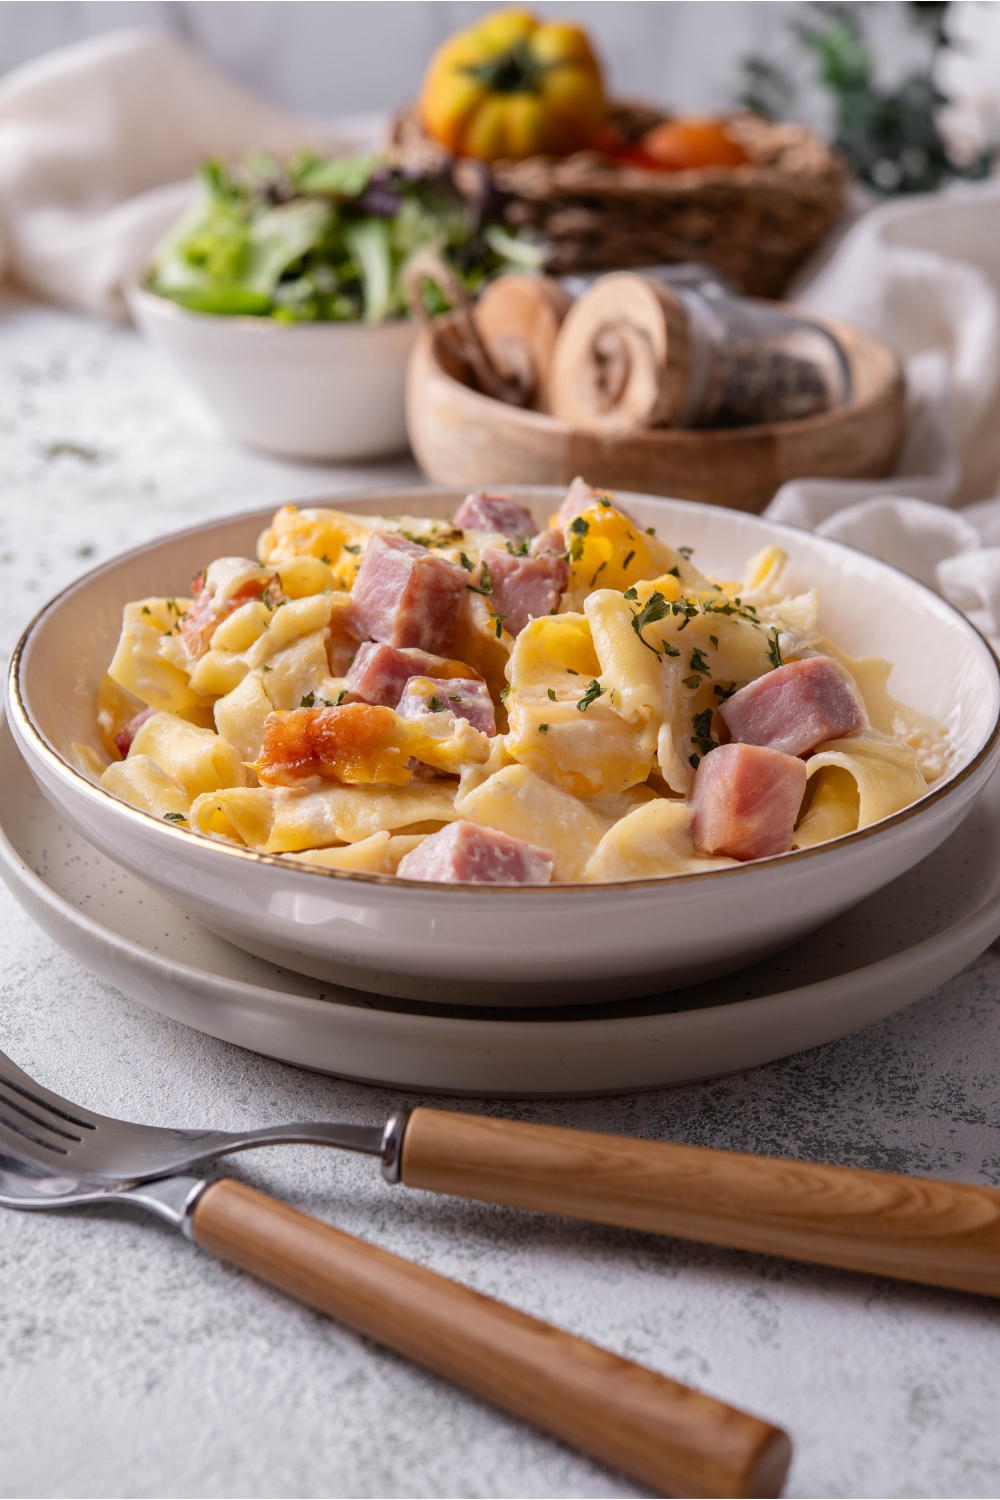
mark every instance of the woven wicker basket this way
{"type": "Point", "coordinates": [754, 223]}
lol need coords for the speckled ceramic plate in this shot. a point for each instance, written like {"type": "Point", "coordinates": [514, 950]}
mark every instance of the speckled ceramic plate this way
{"type": "Point", "coordinates": [878, 957]}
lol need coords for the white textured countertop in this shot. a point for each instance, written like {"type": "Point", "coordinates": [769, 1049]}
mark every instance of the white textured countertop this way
{"type": "Point", "coordinates": [133, 1364]}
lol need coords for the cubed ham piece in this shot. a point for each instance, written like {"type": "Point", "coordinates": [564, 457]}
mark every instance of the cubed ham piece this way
{"type": "Point", "coordinates": [124, 737]}
{"type": "Point", "coordinates": [547, 541]}
{"type": "Point", "coordinates": [484, 856]}
{"type": "Point", "coordinates": [379, 673]}
{"type": "Point", "coordinates": [406, 595]}
{"type": "Point", "coordinates": [218, 594]}
{"type": "Point", "coordinates": [496, 513]}
{"type": "Point", "coordinates": [579, 497]}
{"type": "Point", "coordinates": [523, 588]}
{"type": "Point", "coordinates": [794, 708]}
{"type": "Point", "coordinates": [745, 801]}
{"type": "Point", "coordinates": [463, 697]}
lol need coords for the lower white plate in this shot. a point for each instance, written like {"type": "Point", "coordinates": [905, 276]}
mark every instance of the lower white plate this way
{"type": "Point", "coordinates": [893, 948]}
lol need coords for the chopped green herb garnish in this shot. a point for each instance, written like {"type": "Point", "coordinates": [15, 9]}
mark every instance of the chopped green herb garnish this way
{"type": "Point", "coordinates": [521, 550]}
{"type": "Point", "coordinates": [266, 668]}
{"type": "Point", "coordinates": [454, 697]}
{"type": "Point", "coordinates": [265, 598]}
{"type": "Point", "coordinates": [503, 693]}
{"type": "Point", "coordinates": [698, 662]}
{"type": "Point", "coordinates": [702, 737]}
{"type": "Point", "coordinates": [340, 698]}
{"type": "Point", "coordinates": [435, 705]}
{"type": "Point", "coordinates": [627, 561]}
{"type": "Point", "coordinates": [500, 619]}
{"type": "Point", "coordinates": [685, 552]}
{"type": "Point", "coordinates": [465, 562]}
{"type": "Point", "coordinates": [485, 585]}
{"type": "Point", "coordinates": [773, 649]}
{"type": "Point", "coordinates": [174, 818]}
{"type": "Point", "coordinates": [354, 547]}
{"type": "Point", "coordinates": [579, 528]}
{"type": "Point", "coordinates": [687, 608]}
{"type": "Point", "coordinates": [605, 503]}
{"type": "Point", "coordinates": [730, 610]}
{"type": "Point", "coordinates": [650, 531]}
{"type": "Point", "coordinates": [308, 701]}
{"type": "Point", "coordinates": [543, 729]}
{"type": "Point", "coordinates": [722, 693]}
{"type": "Point", "coordinates": [572, 672]}
{"type": "Point", "coordinates": [146, 609]}
{"type": "Point", "coordinates": [631, 593]}
{"type": "Point", "coordinates": [715, 641]}
{"type": "Point", "coordinates": [600, 570]}
{"type": "Point", "coordinates": [324, 559]}
{"type": "Point", "coordinates": [552, 694]}
{"type": "Point", "coordinates": [674, 572]}
{"type": "Point", "coordinates": [593, 692]}
{"type": "Point", "coordinates": [655, 608]}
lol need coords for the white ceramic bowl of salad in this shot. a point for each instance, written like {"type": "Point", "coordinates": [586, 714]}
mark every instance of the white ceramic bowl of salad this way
{"type": "Point", "coordinates": [279, 296]}
{"type": "Point", "coordinates": [315, 391]}
{"type": "Point", "coordinates": [561, 943]}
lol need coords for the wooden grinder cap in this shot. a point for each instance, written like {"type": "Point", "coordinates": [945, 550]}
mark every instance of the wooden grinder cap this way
{"type": "Point", "coordinates": [621, 360]}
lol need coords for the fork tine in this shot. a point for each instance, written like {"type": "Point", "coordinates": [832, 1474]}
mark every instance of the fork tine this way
{"type": "Point", "coordinates": [8, 1104]}
{"type": "Point", "coordinates": [19, 1140]}
{"type": "Point", "coordinates": [19, 1082]}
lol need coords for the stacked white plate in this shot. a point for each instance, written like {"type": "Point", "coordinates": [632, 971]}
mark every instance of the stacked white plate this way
{"type": "Point", "coordinates": [895, 947]}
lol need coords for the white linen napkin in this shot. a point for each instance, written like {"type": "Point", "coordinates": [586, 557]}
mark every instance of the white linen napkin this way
{"type": "Point", "coordinates": [98, 143]}
{"type": "Point", "coordinates": [924, 274]}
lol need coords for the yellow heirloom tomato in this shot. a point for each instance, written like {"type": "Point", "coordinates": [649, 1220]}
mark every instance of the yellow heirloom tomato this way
{"type": "Point", "coordinates": [511, 87]}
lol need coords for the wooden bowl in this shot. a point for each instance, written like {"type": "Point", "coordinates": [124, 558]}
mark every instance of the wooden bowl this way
{"type": "Point", "coordinates": [463, 438]}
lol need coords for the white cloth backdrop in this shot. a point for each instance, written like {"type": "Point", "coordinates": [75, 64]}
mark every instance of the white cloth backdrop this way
{"type": "Point", "coordinates": [98, 142]}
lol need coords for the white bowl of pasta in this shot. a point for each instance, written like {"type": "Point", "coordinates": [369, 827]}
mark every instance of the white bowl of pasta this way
{"type": "Point", "coordinates": [613, 839]}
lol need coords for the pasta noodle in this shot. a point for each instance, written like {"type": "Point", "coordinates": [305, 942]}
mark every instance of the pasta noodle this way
{"type": "Point", "coordinates": [277, 820]}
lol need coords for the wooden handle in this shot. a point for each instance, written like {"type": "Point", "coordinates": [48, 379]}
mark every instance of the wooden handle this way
{"type": "Point", "coordinates": [664, 1434]}
{"type": "Point", "coordinates": [941, 1233]}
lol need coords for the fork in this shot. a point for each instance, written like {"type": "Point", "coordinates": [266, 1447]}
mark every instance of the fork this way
{"type": "Point", "coordinates": [913, 1228]}
{"type": "Point", "coordinates": [55, 1154]}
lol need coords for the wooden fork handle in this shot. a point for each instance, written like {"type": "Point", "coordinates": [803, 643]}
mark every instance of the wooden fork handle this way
{"type": "Point", "coordinates": [941, 1233]}
{"type": "Point", "coordinates": [670, 1437]}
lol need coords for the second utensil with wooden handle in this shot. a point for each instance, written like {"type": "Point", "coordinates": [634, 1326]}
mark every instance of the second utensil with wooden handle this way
{"type": "Point", "coordinates": [915, 1228]}
{"type": "Point", "coordinates": [676, 1440]}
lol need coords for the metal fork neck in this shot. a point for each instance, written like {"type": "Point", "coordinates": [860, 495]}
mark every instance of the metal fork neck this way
{"type": "Point", "coordinates": [171, 1198]}
{"type": "Point", "coordinates": [392, 1144]}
